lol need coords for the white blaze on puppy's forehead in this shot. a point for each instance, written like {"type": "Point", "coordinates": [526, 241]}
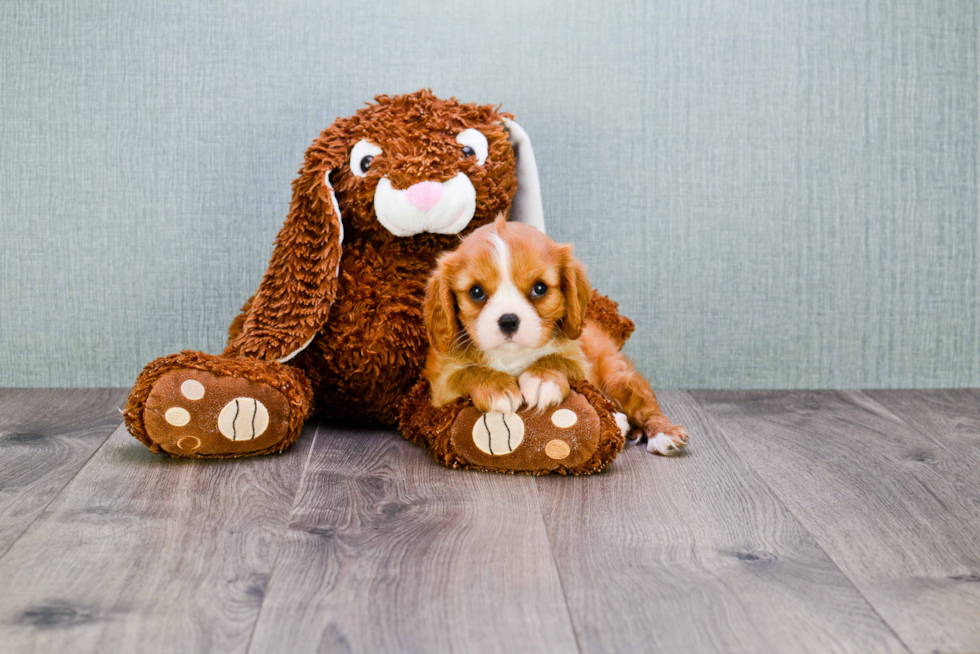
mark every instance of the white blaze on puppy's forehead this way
{"type": "Point", "coordinates": [501, 253]}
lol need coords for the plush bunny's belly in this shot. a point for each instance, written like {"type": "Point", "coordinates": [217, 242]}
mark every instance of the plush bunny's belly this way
{"type": "Point", "coordinates": [371, 351]}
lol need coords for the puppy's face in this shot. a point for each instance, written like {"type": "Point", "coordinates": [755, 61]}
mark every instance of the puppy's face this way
{"type": "Point", "coordinates": [508, 288]}
{"type": "Point", "coordinates": [416, 164]}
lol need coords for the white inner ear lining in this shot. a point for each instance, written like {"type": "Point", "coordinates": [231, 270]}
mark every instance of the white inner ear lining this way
{"type": "Point", "coordinates": [336, 207]}
{"type": "Point", "coordinates": [527, 207]}
{"type": "Point", "coordinates": [302, 347]}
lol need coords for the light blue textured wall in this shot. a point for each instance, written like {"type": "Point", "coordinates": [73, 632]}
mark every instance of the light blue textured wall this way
{"type": "Point", "coordinates": [781, 194]}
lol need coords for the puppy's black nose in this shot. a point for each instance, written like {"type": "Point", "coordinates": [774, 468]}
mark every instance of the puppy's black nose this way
{"type": "Point", "coordinates": [508, 323]}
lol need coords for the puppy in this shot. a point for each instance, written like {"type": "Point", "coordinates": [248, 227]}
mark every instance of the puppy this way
{"type": "Point", "coordinates": [505, 315]}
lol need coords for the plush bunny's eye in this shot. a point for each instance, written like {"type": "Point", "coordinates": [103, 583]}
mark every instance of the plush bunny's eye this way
{"type": "Point", "coordinates": [474, 144]}
{"type": "Point", "coordinates": [361, 156]}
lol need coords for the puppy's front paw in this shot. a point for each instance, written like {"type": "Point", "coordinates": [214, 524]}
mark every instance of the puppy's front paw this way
{"type": "Point", "coordinates": [505, 403]}
{"type": "Point", "coordinates": [668, 440]}
{"type": "Point", "coordinates": [498, 397]}
{"type": "Point", "coordinates": [543, 392]}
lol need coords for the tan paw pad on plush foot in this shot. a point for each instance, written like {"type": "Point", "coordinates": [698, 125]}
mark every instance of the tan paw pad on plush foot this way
{"type": "Point", "coordinates": [497, 434]}
{"type": "Point", "coordinates": [192, 412]}
{"type": "Point", "coordinates": [243, 419]}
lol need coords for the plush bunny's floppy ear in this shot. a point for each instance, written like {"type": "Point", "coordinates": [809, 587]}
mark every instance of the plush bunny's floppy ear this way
{"type": "Point", "coordinates": [300, 284]}
{"type": "Point", "coordinates": [527, 207]}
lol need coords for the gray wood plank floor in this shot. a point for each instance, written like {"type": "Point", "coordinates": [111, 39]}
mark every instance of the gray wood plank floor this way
{"type": "Point", "coordinates": [797, 522]}
{"type": "Point", "coordinates": [47, 436]}
{"type": "Point", "coordinates": [882, 498]}
{"type": "Point", "coordinates": [702, 555]}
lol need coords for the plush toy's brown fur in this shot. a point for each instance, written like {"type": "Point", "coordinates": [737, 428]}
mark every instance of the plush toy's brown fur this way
{"type": "Point", "coordinates": [287, 380]}
{"type": "Point", "coordinates": [370, 347]}
{"type": "Point", "coordinates": [351, 289]}
{"type": "Point", "coordinates": [433, 427]}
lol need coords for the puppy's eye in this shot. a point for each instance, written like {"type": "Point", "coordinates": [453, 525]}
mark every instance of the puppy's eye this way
{"type": "Point", "coordinates": [474, 144]}
{"type": "Point", "coordinates": [539, 289]}
{"type": "Point", "coordinates": [361, 156]}
{"type": "Point", "coordinates": [477, 293]}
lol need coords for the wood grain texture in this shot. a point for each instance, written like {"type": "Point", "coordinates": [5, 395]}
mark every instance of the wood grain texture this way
{"type": "Point", "coordinates": [388, 551]}
{"type": "Point", "coordinates": [886, 499]}
{"type": "Point", "coordinates": [798, 521]}
{"type": "Point", "coordinates": [696, 554]}
{"type": "Point", "coordinates": [46, 436]}
{"type": "Point", "coordinates": [951, 419]}
{"type": "Point", "coordinates": [142, 552]}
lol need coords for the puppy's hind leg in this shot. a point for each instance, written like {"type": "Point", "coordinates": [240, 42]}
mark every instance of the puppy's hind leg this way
{"type": "Point", "coordinates": [639, 402]}
{"type": "Point", "coordinates": [617, 378]}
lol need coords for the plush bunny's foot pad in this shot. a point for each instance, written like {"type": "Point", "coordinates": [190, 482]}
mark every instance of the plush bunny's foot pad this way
{"type": "Point", "coordinates": [580, 436]}
{"type": "Point", "coordinates": [202, 406]}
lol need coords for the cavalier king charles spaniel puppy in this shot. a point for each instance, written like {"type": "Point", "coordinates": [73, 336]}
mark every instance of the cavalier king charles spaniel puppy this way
{"type": "Point", "coordinates": [505, 315]}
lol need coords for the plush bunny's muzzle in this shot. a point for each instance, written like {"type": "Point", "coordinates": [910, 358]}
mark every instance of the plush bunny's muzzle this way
{"type": "Point", "coordinates": [437, 207]}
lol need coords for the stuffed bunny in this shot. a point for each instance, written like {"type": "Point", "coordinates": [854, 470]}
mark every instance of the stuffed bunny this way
{"type": "Point", "coordinates": [335, 327]}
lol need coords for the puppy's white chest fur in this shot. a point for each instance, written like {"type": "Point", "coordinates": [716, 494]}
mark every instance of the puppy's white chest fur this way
{"type": "Point", "coordinates": [514, 362]}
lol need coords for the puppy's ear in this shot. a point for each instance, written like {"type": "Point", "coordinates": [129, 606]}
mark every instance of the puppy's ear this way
{"type": "Point", "coordinates": [577, 291]}
{"type": "Point", "coordinates": [439, 309]}
{"type": "Point", "coordinates": [300, 284]}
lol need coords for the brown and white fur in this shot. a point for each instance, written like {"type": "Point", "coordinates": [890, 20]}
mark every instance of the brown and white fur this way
{"type": "Point", "coordinates": [505, 315]}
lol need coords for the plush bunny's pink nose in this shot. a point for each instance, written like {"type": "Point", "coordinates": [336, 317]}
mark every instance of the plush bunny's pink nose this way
{"type": "Point", "coordinates": [424, 195]}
